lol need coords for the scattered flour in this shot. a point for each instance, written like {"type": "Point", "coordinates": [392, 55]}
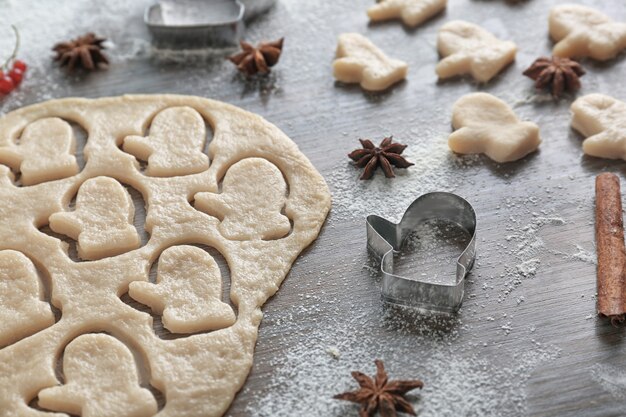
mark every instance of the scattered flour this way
{"type": "Point", "coordinates": [611, 378]}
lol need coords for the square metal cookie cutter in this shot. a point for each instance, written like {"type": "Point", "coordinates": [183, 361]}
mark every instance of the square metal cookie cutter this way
{"type": "Point", "coordinates": [384, 238]}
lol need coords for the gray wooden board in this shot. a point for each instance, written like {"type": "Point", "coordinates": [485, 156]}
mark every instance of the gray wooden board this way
{"type": "Point", "coordinates": [527, 340]}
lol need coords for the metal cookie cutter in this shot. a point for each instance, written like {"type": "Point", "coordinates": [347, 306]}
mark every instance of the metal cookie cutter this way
{"type": "Point", "coordinates": [384, 237]}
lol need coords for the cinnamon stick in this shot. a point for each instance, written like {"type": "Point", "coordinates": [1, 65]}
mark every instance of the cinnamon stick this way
{"type": "Point", "coordinates": [610, 247]}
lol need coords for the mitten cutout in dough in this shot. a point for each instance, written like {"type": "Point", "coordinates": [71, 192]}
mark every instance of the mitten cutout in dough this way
{"type": "Point", "coordinates": [22, 313]}
{"type": "Point", "coordinates": [412, 12]}
{"type": "Point", "coordinates": [360, 61]}
{"type": "Point", "coordinates": [246, 213]}
{"type": "Point", "coordinates": [45, 151]}
{"type": "Point", "coordinates": [602, 120]}
{"type": "Point", "coordinates": [174, 145]}
{"type": "Point", "coordinates": [486, 124]}
{"type": "Point", "coordinates": [467, 48]}
{"type": "Point", "coordinates": [101, 380]}
{"type": "Point", "coordinates": [102, 222]}
{"type": "Point", "coordinates": [187, 292]}
{"type": "Point", "coordinates": [585, 32]}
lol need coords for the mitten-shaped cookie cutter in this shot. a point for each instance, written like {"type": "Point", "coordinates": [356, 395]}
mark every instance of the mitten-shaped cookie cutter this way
{"type": "Point", "coordinates": [384, 238]}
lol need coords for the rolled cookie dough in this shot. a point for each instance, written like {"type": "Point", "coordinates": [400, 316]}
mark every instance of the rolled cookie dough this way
{"type": "Point", "coordinates": [485, 124]}
{"type": "Point", "coordinates": [107, 346]}
{"type": "Point", "coordinates": [602, 120]}
{"type": "Point", "coordinates": [412, 12]}
{"type": "Point", "coordinates": [467, 48]}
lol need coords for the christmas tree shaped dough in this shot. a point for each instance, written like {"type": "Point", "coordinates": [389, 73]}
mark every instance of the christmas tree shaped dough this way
{"type": "Point", "coordinates": [412, 12]}
{"type": "Point", "coordinates": [467, 48]}
{"type": "Point", "coordinates": [485, 124]}
{"type": "Point", "coordinates": [602, 120]}
{"type": "Point", "coordinates": [358, 60]}
{"type": "Point", "coordinates": [581, 31]}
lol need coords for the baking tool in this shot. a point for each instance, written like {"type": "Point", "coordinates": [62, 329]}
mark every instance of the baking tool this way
{"type": "Point", "coordinates": [256, 7]}
{"type": "Point", "coordinates": [195, 23]}
{"type": "Point", "coordinates": [384, 238]}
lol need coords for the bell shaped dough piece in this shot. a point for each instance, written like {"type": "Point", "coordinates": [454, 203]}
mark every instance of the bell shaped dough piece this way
{"type": "Point", "coordinates": [585, 32]}
{"type": "Point", "coordinates": [467, 48]}
{"type": "Point", "coordinates": [246, 213]}
{"type": "Point", "coordinates": [602, 120]}
{"type": "Point", "coordinates": [187, 292]}
{"type": "Point", "coordinates": [360, 61]}
{"type": "Point", "coordinates": [174, 146]}
{"type": "Point", "coordinates": [45, 152]}
{"type": "Point", "coordinates": [101, 380]}
{"type": "Point", "coordinates": [22, 313]}
{"type": "Point", "coordinates": [485, 124]}
{"type": "Point", "coordinates": [102, 222]}
{"type": "Point", "coordinates": [412, 12]}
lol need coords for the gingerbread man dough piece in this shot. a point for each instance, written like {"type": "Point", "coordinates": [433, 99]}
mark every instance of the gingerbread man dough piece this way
{"type": "Point", "coordinates": [23, 312]}
{"type": "Point", "coordinates": [45, 151]}
{"type": "Point", "coordinates": [247, 214]}
{"type": "Point", "coordinates": [167, 156]}
{"type": "Point", "coordinates": [101, 380]}
{"type": "Point", "coordinates": [602, 120]}
{"type": "Point", "coordinates": [467, 48]}
{"type": "Point", "coordinates": [486, 124]}
{"type": "Point", "coordinates": [412, 12]}
{"type": "Point", "coordinates": [187, 293]}
{"type": "Point", "coordinates": [360, 61]}
{"type": "Point", "coordinates": [102, 222]}
{"type": "Point", "coordinates": [582, 31]}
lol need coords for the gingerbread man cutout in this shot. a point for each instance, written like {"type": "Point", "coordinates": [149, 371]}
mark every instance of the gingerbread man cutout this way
{"type": "Point", "coordinates": [101, 380]}
{"type": "Point", "coordinates": [187, 292]}
{"type": "Point", "coordinates": [174, 146]}
{"type": "Point", "coordinates": [23, 312]}
{"type": "Point", "coordinates": [102, 222]}
{"type": "Point", "coordinates": [45, 151]}
{"type": "Point", "coordinates": [246, 213]}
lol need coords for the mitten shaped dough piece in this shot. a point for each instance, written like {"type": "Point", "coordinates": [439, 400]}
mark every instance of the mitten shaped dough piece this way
{"type": "Point", "coordinates": [485, 124]}
{"type": "Point", "coordinates": [22, 313]}
{"type": "Point", "coordinates": [412, 12]}
{"type": "Point", "coordinates": [174, 145]}
{"type": "Point", "coordinates": [467, 48]}
{"type": "Point", "coordinates": [246, 213]}
{"type": "Point", "coordinates": [101, 380]}
{"type": "Point", "coordinates": [358, 60]}
{"type": "Point", "coordinates": [45, 151]}
{"type": "Point", "coordinates": [102, 222]}
{"type": "Point", "coordinates": [187, 293]}
{"type": "Point", "coordinates": [585, 32]}
{"type": "Point", "coordinates": [602, 120]}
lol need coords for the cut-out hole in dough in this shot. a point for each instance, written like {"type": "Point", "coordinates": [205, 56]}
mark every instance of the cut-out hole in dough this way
{"type": "Point", "coordinates": [174, 145]}
{"type": "Point", "coordinates": [246, 214]}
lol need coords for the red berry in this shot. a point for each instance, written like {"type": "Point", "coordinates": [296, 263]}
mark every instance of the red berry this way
{"type": "Point", "coordinates": [6, 85]}
{"type": "Point", "coordinates": [20, 65]}
{"type": "Point", "coordinates": [16, 75]}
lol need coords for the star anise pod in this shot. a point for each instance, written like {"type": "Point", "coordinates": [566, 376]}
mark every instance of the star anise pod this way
{"type": "Point", "coordinates": [84, 51]}
{"type": "Point", "coordinates": [380, 394]}
{"type": "Point", "coordinates": [253, 60]}
{"type": "Point", "coordinates": [385, 155]}
{"type": "Point", "coordinates": [556, 73]}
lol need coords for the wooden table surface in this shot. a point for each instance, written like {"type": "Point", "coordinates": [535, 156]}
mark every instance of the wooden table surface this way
{"type": "Point", "coordinates": [527, 340]}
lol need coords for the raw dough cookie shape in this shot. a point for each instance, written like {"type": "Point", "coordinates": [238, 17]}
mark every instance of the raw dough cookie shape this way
{"type": "Point", "coordinates": [187, 292]}
{"type": "Point", "coordinates": [358, 60]}
{"type": "Point", "coordinates": [585, 32]}
{"type": "Point", "coordinates": [602, 120]}
{"type": "Point", "coordinates": [467, 48]}
{"type": "Point", "coordinates": [485, 124]}
{"type": "Point", "coordinates": [101, 380]}
{"type": "Point", "coordinates": [167, 156]}
{"type": "Point", "coordinates": [248, 214]}
{"type": "Point", "coordinates": [45, 152]}
{"type": "Point", "coordinates": [22, 312]}
{"type": "Point", "coordinates": [199, 374]}
{"type": "Point", "coordinates": [102, 222]}
{"type": "Point", "coordinates": [412, 12]}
